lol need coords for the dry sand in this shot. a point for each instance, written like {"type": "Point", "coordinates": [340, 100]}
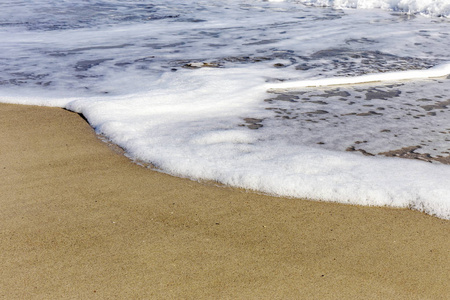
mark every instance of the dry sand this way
{"type": "Point", "coordinates": [79, 221]}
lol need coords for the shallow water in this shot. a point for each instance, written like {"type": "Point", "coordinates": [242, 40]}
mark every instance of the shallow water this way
{"type": "Point", "coordinates": [188, 87]}
{"type": "Point", "coordinates": [372, 119]}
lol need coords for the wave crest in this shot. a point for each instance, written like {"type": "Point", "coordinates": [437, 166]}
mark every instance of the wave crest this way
{"type": "Point", "coordinates": [436, 8]}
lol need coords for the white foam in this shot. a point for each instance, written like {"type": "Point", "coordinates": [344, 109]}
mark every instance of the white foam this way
{"type": "Point", "coordinates": [182, 133]}
{"type": "Point", "coordinates": [426, 7]}
{"type": "Point", "coordinates": [434, 72]}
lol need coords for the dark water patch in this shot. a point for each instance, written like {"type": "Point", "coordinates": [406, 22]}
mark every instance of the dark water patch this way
{"type": "Point", "coordinates": [28, 76]}
{"type": "Point", "coordinates": [23, 78]}
{"type": "Point", "coordinates": [369, 113]}
{"type": "Point", "coordinates": [159, 17]}
{"type": "Point", "coordinates": [360, 41]}
{"type": "Point", "coordinates": [145, 59]}
{"type": "Point", "coordinates": [35, 26]}
{"type": "Point", "coordinates": [317, 112]}
{"type": "Point", "coordinates": [252, 123]}
{"type": "Point", "coordinates": [262, 42]}
{"type": "Point", "coordinates": [283, 97]}
{"type": "Point", "coordinates": [211, 34]}
{"type": "Point", "coordinates": [380, 94]}
{"type": "Point", "coordinates": [60, 53]}
{"type": "Point", "coordinates": [336, 14]}
{"type": "Point", "coordinates": [306, 66]}
{"type": "Point", "coordinates": [437, 105]}
{"type": "Point", "coordinates": [161, 46]}
{"type": "Point", "coordinates": [358, 62]}
{"type": "Point", "coordinates": [11, 24]}
{"type": "Point", "coordinates": [59, 15]}
{"type": "Point", "coordinates": [217, 45]}
{"type": "Point", "coordinates": [332, 93]}
{"type": "Point", "coordinates": [219, 62]}
{"type": "Point", "coordinates": [84, 65]}
{"type": "Point", "coordinates": [241, 59]}
{"type": "Point", "coordinates": [83, 49]}
{"type": "Point", "coordinates": [100, 47]}
{"type": "Point", "coordinates": [320, 102]}
{"type": "Point", "coordinates": [403, 16]}
{"type": "Point", "coordinates": [123, 64]}
{"type": "Point", "coordinates": [190, 20]}
{"type": "Point", "coordinates": [330, 53]}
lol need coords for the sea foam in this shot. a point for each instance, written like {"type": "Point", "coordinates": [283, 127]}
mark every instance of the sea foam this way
{"type": "Point", "coordinates": [238, 91]}
{"type": "Point", "coordinates": [434, 72]}
{"type": "Point", "coordinates": [425, 7]}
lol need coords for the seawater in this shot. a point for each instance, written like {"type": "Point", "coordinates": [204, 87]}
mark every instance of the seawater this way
{"type": "Point", "coordinates": [215, 90]}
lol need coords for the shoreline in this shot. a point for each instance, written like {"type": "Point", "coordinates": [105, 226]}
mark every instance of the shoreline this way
{"type": "Point", "coordinates": [80, 220]}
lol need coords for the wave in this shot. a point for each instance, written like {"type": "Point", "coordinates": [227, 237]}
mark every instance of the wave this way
{"type": "Point", "coordinates": [434, 72]}
{"type": "Point", "coordinates": [436, 8]}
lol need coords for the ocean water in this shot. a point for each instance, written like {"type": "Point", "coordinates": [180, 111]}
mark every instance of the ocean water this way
{"type": "Point", "coordinates": [345, 100]}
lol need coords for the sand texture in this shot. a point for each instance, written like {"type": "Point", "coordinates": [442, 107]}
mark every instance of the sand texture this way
{"type": "Point", "coordinates": [80, 221]}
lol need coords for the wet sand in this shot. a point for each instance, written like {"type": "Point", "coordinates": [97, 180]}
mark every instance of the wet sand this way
{"type": "Point", "coordinates": [80, 221]}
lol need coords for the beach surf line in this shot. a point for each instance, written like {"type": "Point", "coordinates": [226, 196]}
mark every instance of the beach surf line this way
{"type": "Point", "coordinates": [438, 71]}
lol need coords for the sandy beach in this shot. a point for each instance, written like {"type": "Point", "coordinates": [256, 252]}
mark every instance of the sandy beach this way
{"type": "Point", "coordinates": [80, 221]}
